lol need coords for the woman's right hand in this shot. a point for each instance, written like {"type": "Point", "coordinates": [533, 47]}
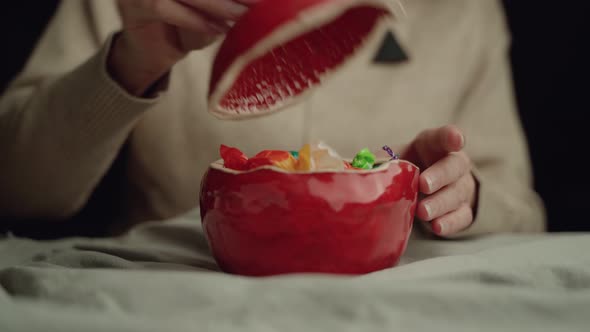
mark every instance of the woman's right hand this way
{"type": "Point", "coordinates": [159, 33]}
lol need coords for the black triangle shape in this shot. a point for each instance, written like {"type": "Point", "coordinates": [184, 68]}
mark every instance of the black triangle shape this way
{"type": "Point", "coordinates": [390, 50]}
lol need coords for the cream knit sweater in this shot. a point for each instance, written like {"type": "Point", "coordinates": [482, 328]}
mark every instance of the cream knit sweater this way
{"type": "Point", "coordinates": [63, 120]}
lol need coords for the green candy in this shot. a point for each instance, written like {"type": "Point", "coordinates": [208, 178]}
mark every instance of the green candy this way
{"type": "Point", "coordinates": [294, 154]}
{"type": "Point", "coordinates": [365, 159]}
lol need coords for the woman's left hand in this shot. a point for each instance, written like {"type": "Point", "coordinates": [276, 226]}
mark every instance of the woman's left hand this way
{"type": "Point", "coordinates": [448, 190]}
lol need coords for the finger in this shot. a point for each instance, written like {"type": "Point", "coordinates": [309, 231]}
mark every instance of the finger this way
{"type": "Point", "coordinates": [248, 2]}
{"type": "Point", "coordinates": [177, 14]}
{"type": "Point", "coordinates": [448, 199]}
{"type": "Point", "coordinates": [453, 222]}
{"type": "Point", "coordinates": [434, 144]}
{"type": "Point", "coordinates": [220, 9]}
{"type": "Point", "coordinates": [444, 172]}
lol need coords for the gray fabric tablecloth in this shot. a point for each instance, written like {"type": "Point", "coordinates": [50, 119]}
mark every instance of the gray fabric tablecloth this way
{"type": "Point", "coordinates": [161, 277]}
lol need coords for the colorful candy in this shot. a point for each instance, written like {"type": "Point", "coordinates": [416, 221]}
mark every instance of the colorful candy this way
{"type": "Point", "coordinates": [280, 159]}
{"type": "Point", "coordinates": [311, 157]}
{"type": "Point", "coordinates": [233, 158]}
{"type": "Point", "coordinates": [390, 152]}
{"type": "Point", "coordinates": [325, 158]}
{"type": "Point", "coordinates": [365, 159]}
{"type": "Point", "coordinates": [314, 157]}
{"type": "Point", "coordinates": [305, 163]}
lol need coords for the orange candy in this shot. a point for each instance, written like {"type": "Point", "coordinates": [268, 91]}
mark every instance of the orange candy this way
{"type": "Point", "coordinates": [280, 159]}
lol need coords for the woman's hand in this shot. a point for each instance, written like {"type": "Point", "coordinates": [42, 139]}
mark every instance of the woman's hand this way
{"type": "Point", "coordinates": [159, 33]}
{"type": "Point", "coordinates": [447, 187]}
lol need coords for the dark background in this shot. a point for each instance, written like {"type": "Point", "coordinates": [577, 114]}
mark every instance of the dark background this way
{"type": "Point", "coordinates": [550, 60]}
{"type": "Point", "coordinates": [550, 63]}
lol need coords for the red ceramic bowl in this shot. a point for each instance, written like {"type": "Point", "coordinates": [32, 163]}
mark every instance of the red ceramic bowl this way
{"type": "Point", "coordinates": [268, 222]}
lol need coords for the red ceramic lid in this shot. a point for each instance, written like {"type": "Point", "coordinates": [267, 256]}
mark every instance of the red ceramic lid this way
{"type": "Point", "coordinates": [280, 50]}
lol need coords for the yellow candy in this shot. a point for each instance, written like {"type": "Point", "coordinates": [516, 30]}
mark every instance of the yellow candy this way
{"type": "Point", "coordinates": [305, 162]}
{"type": "Point", "coordinates": [318, 157]}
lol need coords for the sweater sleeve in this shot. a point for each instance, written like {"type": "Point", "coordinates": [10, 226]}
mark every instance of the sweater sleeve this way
{"type": "Point", "coordinates": [63, 121]}
{"type": "Point", "coordinates": [495, 139]}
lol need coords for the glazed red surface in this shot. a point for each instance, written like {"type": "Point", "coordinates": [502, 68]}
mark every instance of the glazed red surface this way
{"type": "Point", "coordinates": [267, 222]}
{"type": "Point", "coordinates": [288, 69]}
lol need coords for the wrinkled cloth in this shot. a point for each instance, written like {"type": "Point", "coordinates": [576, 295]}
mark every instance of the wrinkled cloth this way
{"type": "Point", "coordinates": [162, 277]}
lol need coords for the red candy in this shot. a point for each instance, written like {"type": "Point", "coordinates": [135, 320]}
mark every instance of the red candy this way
{"type": "Point", "coordinates": [233, 158]}
{"type": "Point", "coordinates": [273, 155]}
{"type": "Point", "coordinates": [256, 162]}
{"type": "Point", "coordinates": [281, 159]}
{"type": "Point", "coordinates": [264, 158]}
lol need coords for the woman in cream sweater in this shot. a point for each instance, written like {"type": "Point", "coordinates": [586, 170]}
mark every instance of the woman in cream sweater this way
{"type": "Point", "coordinates": [127, 80]}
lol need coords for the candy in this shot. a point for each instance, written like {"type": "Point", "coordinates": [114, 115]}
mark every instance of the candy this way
{"type": "Point", "coordinates": [311, 157]}
{"type": "Point", "coordinates": [289, 163]}
{"type": "Point", "coordinates": [233, 158]}
{"type": "Point", "coordinates": [319, 156]}
{"type": "Point", "coordinates": [305, 163]}
{"type": "Point", "coordinates": [325, 158]}
{"type": "Point", "coordinates": [365, 159]}
{"type": "Point", "coordinates": [256, 162]}
{"type": "Point", "coordinates": [390, 152]}
{"type": "Point", "coordinates": [280, 159]}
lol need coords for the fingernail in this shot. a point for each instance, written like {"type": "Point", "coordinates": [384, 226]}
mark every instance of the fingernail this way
{"type": "Point", "coordinates": [429, 184]}
{"type": "Point", "coordinates": [462, 141]}
{"type": "Point", "coordinates": [428, 210]}
{"type": "Point", "coordinates": [442, 227]}
{"type": "Point", "coordinates": [217, 27]}
{"type": "Point", "coordinates": [237, 10]}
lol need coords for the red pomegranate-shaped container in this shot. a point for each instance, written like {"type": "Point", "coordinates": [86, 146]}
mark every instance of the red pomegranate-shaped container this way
{"type": "Point", "coordinates": [269, 221]}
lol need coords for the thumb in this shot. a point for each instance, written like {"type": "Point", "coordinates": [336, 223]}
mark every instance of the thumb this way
{"type": "Point", "coordinates": [434, 144]}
